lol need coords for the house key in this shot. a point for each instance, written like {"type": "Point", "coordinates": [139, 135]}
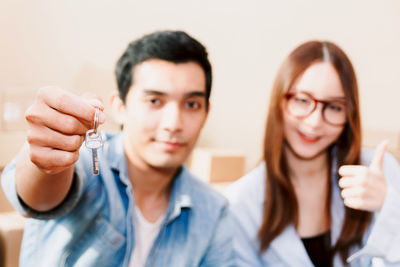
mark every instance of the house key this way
{"type": "Point", "coordinates": [93, 141]}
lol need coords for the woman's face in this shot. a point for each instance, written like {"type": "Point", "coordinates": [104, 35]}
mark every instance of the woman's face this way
{"type": "Point", "coordinates": [310, 135]}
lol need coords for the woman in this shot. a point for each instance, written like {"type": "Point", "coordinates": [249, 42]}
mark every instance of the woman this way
{"type": "Point", "coordinates": [317, 198]}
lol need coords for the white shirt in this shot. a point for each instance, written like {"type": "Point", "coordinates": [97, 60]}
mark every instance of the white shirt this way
{"type": "Point", "coordinates": [381, 240]}
{"type": "Point", "coordinates": [145, 234]}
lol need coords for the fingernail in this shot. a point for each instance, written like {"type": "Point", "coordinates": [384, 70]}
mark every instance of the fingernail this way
{"type": "Point", "coordinates": [96, 103]}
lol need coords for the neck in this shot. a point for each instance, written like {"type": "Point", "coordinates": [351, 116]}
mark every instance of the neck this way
{"type": "Point", "coordinates": [310, 180]}
{"type": "Point", "coordinates": [151, 187]}
{"type": "Point", "coordinates": [306, 170]}
{"type": "Point", "coordinates": [149, 181]}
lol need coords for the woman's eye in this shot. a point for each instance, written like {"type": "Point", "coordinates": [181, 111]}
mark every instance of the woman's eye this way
{"type": "Point", "coordinates": [336, 108]}
{"type": "Point", "coordinates": [301, 100]}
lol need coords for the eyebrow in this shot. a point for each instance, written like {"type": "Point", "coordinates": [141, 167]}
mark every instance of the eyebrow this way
{"type": "Point", "coordinates": [195, 94]}
{"type": "Point", "coordinates": [187, 95]}
{"type": "Point", "coordinates": [333, 98]}
{"type": "Point", "coordinates": [336, 98]}
{"type": "Point", "coordinates": [153, 92]}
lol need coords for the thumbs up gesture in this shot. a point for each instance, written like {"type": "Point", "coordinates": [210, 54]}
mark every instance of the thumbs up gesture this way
{"type": "Point", "coordinates": [364, 188]}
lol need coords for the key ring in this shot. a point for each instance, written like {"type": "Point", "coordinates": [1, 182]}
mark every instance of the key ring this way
{"type": "Point", "coordinates": [96, 120]}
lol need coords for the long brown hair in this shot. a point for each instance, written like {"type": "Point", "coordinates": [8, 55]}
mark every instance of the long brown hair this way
{"type": "Point", "coordinates": [280, 207]}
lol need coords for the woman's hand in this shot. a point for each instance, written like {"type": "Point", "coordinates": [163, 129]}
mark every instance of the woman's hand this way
{"type": "Point", "coordinates": [364, 188]}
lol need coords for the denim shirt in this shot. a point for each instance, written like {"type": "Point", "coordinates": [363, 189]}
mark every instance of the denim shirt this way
{"type": "Point", "coordinates": [381, 241]}
{"type": "Point", "coordinates": [94, 225]}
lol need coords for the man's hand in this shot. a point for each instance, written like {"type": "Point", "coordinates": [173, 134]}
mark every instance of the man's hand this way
{"type": "Point", "coordinates": [58, 121]}
{"type": "Point", "coordinates": [364, 188]}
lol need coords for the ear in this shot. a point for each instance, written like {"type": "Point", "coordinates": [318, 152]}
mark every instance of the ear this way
{"type": "Point", "coordinates": [118, 108]}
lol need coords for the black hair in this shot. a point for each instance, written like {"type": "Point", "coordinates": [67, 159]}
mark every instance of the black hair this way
{"type": "Point", "coordinates": [173, 46]}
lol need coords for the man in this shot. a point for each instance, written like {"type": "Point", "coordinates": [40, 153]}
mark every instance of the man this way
{"type": "Point", "coordinates": [144, 208]}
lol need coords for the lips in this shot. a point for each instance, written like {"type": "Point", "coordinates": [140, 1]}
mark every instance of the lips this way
{"type": "Point", "coordinates": [309, 138]}
{"type": "Point", "coordinates": [170, 145]}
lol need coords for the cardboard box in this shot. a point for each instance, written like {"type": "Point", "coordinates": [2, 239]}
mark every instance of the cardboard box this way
{"type": "Point", "coordinates": [398, 140]}
{"type": "Point", "coordinates": [217, 165]}
{"type": "Point", "coordinates": [372, 138]}
{"type": "Point", "coordinates": [5, 206]}
{"type": "Point", "coordinates": [11, 231]}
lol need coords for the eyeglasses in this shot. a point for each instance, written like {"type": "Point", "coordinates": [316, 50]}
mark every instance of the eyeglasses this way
{"type": "Point", "coordinates": [301, 104]}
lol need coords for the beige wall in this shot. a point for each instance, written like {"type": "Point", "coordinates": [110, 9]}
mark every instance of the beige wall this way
{"type": "Point", "coordinates": [74, 44]}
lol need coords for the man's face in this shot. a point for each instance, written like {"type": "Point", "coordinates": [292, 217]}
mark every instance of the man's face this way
{"type": "Point", "coordinates": [164, 112]}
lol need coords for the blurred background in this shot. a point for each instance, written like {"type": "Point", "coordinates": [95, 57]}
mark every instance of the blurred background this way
{"type": "Point", "coordinates": [75, 44]}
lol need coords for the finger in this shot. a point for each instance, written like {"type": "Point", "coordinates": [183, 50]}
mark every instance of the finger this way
{"type": "Point", "coordinates": [355, 192]}
{"type": "Point", "coordinates": [361, 204]}
{"type": "Point", "coordinates": [51, 160]}
{"type": "Point", "coordinates": [351, 170]}
{"type": "Point", "coordinates": [71, 104]}
{"type": "Point", "coordinates": [354, 203]}
{"type": "Point", "coordinates": [41, 114]}
{"type": "Point", "coordinates": [45, 137]}
{"type": "Point", "coordinates": [351, 181]}
{"type": "Point", "coordinates": [94, 100]}
{"type": "Point", "coordinates": [90, 95]}
{"type": "Point", "coordinates": [377, 160]}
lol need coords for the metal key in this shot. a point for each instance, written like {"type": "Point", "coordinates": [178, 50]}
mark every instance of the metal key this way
{"type": "Point", "coordinates": [94, 141]}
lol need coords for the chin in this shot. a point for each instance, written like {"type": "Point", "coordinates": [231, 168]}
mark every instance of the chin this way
{"type": "Point", "coordinates": [299, 153]}
{"type": "Point", "coordinates": [166, 164]}
{"type": "Point", "coordinates": [161, 159]}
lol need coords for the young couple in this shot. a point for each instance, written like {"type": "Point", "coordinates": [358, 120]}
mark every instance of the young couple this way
{"type": "Point", "coordinates": [317, 197]}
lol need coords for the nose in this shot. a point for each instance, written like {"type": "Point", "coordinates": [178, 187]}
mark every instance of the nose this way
{"type": "Point", "coordinates": [315, 118]}
{"type": "Point", "coordinates": [172, 118]}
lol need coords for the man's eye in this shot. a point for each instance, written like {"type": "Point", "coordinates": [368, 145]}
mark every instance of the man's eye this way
{"type": "Point", "coordinates": [154, 101]}
{"type": "Point", "coordinates": [193, 104]}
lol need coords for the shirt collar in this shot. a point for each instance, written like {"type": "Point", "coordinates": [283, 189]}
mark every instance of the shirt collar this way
{"type": "Point", "coordinates": [290, 249]}
{"type": "Point", "coordinates": [116, 156]}
{"type": "Point", "coordinates": [115, 153]}
{"type": "Point", "coordinates": [290, 239]}
{"type": "Point", "coordinates": [181, 189]}
{"type": "Point", "coordinates": [180, 196]}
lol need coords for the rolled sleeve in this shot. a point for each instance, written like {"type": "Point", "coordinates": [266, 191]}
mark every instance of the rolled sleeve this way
{"type": "Point", "coordinates": [384, 239]}
{"type": "Point", "coordinates": [9, 188]}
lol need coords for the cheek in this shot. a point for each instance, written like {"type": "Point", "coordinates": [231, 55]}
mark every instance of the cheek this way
{"type": "Point", "coordinates": [336, 132]}
{"type": "Point", "coordinates": [149, 124]}
{"type": "Point", "coordinates": [141, 120]}
{"type": "Point", "coordinates": [289, 124]}
{"type": "Point", "coordinates": [193, 125]}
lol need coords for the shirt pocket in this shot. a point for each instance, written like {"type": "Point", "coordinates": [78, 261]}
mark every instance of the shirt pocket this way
{"type": "Point", "coordinates": [100, 245]}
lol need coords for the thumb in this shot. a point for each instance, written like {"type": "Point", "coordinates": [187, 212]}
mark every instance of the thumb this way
{"type": "Point", "coordinates": [377, 161]}
{"type": "Point", "coordinates": [94, 100]}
